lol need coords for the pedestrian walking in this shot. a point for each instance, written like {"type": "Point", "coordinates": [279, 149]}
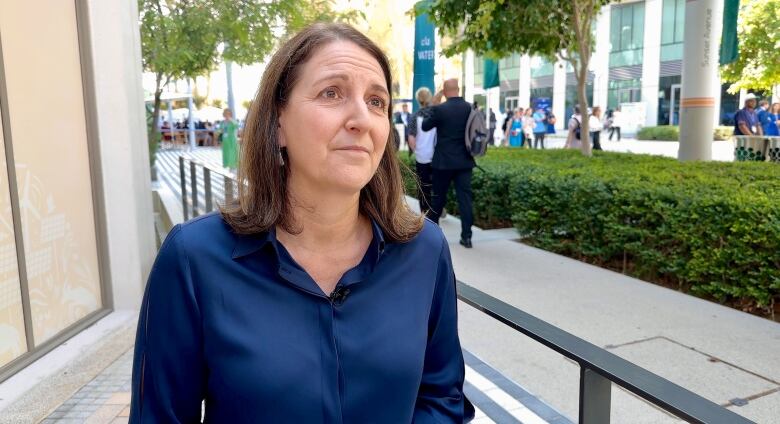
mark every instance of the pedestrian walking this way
{"type": "Point", "coordinates": [615, 122]}
{"type": "Point", "coordinates": [491, 127]}
{"type": "Point", "coordinates": [452, 162]}
{"type": "Point", "coordinates": [528, 128]}
{"type": "Point", "coordinates": [317, 296]}
{"type": "Point", "coordinates": [540, 129]}
{"type": "Point", "coordinates": [229, 130]}
{"type": "Point", "coordinates": [595, 126]}
{"type": "Point", "coordinates": [422, 142]}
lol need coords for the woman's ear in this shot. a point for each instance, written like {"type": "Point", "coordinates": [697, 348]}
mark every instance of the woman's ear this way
{"type": "Point", "coordinates": [280, 132]}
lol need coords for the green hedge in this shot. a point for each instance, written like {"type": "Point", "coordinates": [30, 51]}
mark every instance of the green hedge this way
{"type": "Point", "coordinates": [672, 133]}
{"type": "Point", "coordinates": [711, 228]}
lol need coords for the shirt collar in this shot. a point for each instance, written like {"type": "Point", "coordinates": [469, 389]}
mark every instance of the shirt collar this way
{"type": "Point", "coordinates": [248, 244]}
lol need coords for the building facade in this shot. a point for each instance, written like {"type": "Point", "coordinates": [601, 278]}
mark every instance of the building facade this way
{"type": "Point", "coordinates": [77, 234]}
{"type": "Point", "coordinates": [637, 59]}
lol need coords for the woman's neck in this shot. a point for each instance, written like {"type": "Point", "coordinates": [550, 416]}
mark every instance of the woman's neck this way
{"type": "Point", "coordinates": [328, 220]}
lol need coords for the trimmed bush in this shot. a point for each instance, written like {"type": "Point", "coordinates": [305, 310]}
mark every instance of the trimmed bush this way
{"type": "Point", "coordinates": [663, 132]}
{"type": "Point", "coordinates": [709, 228]}
{"type": "Point", "coordinates": [672, 133]}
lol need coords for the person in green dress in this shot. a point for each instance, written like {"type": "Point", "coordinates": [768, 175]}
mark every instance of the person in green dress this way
{"type": "Point", "coordinates": [229, 130]}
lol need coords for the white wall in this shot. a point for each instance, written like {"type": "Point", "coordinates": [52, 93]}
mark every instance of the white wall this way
{"type": "Point", "coordinates": [121, 122]}
{"type": "Point", "coordinates": [651, 60]}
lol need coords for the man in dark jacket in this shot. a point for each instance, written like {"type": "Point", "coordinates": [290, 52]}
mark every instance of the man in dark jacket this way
{"type": "Point", "coordinates": [452, 162]}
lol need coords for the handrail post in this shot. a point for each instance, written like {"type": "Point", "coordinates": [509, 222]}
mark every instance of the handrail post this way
{"type": "Point", "coordinates": [595, 397]}
{"type": "Point", "coordinates": [194, 184]}
{"type": "Point", "coordinates": [182, 176]}
{"type": "Point", "coordinates": [228, 185]}
{"type": "Point", "coordinates": [207, 188]}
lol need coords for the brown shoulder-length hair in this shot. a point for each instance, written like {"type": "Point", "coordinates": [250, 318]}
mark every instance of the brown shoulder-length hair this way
{"type": "Point", "coordinates": [263, 198]}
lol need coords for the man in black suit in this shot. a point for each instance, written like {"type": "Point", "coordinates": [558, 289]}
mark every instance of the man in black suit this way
{"type": "Point", "coordinates": [452, 162]}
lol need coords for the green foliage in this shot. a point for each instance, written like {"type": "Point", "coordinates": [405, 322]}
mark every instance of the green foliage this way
{"type": "Point", "coordinates": [218, 103]}
{"type": "Point", "coordinates": [672, 133]}
{"type": "Point", "coordinates": [497, 28]}
{"type": "Point", "coordinates": [662, 132]}
{"type": "Point", "coordinates": [709, 228]}
{"type": "Point", "coordinates": [758, 65]}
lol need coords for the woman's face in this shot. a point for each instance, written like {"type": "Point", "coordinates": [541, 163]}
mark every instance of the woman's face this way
{"type": "Point", "coordinates": [335, 124]}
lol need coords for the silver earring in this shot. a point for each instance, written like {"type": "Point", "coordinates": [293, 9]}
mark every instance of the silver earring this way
{"type": "Point", "coordinates": [281, 158]}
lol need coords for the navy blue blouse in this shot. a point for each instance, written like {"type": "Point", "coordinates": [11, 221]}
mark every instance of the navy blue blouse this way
{"type": "Point", "coordinates": [234, 321]}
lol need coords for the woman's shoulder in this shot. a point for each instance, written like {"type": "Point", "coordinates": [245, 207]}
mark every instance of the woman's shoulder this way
{"type": "Point", "coordinates": [430, 240]}
{"type": "Point", "coordinates": [206, 232]}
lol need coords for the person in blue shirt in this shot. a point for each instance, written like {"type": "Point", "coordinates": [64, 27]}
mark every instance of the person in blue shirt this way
{"type": "Point", "coordinates": [765, 119]}
{"type": "Point", "coordinates": [773, 129]}
{"type": "Point", "coordinates": [317, 297]}
{"type": "Point", "coordinates": [746, 120]}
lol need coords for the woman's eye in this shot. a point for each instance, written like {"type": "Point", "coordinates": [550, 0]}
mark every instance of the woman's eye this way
{"type": "Point", "coordinates": [377, 102]}
{"type": "Point", "coordinates": [329, 93]}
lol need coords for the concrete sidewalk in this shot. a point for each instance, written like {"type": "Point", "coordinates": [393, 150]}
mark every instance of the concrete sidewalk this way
{"type": "Point", "coordinates": [719, 353]}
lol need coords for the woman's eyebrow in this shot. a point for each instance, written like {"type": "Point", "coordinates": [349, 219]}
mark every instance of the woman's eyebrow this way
{"type": "Point", "coordinates": [344, 77]}
{"type": "Point", "coordinates": [380, 88]}
{"type": "Point", "coordinates": [328, 77]}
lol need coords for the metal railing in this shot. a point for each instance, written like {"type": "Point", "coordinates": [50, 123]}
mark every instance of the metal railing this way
{"type": "Point", "coordinates": [598, 367]}
{"type": "Point", "coordinates": [215, 191]}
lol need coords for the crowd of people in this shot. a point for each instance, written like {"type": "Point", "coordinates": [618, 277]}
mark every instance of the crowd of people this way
{"type": "Point", "coordinates": [764, 120]}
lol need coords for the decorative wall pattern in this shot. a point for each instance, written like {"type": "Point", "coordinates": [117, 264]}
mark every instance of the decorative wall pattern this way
{"type": "Point", "coordinates": [49, 137]}
{"type": "Point", "coordinates": [13, 341]}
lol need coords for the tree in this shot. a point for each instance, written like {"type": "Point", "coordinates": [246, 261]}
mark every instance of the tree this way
{"type": "Point", "coordinates": [758, 65]}
{"type": "Point", "coordinates": [180, 38]}
{"type": "Point", "coordinates": [498, 28]}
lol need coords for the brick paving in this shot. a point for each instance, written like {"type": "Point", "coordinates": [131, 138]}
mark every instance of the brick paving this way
{"type": "Point", "coordinates": [104, 400]}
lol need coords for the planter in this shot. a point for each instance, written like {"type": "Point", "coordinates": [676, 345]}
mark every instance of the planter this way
{"type": "Point", "coordinates": [773, 149]}
{"type": "Point", "coordinates": [750, 148]}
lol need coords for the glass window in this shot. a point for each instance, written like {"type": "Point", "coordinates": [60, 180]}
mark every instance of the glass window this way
{"type": "Point", "coordinates": [667, 21]}
{"type": "Point", "coordinates": [679, 21]}
{"type": "Point", "coordinates": [638, 26]}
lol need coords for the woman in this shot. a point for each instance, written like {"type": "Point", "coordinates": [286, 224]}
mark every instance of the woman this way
{"type": "Point", "coordinates": [528, 128]}
{"type": "Point", "coordinates": [318, 297]}
{"type": "Point", "coordinates": [514, 130]}
{"type": "Point", "coordinates": [595, 126]}
{"type": "Point", "coordinates": [422, 142]}
{"type": "Point", "coordinates": [773, 129]}
{"type": "Point", "coordinates": [229, 129]}
{"type": "Point", "coordinates": [574, 137]}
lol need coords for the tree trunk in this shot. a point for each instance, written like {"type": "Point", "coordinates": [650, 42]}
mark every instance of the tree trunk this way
{"type": "Point", "coordinates": [153, 129]}
{"type": "Point", "coordinates": [582, 81]}
{"type": "Point", "coordinates": [582, 23]}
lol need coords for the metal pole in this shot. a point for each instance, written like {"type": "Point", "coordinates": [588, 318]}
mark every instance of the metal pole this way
{"type": "Point", "coordinates": [194, 185]}
{"type": "Point", "coordinates": [207, 188]}
{"type": "Point", "coordinates": [182, 176]}
{"type": "Point", "coordinates": [231, 99]}
{"type": "Point", "coordinates": [595, 397]}
{"type": "Point", "coordinates": [190, 118]}
{"type": "Point", "coordinates": [703, 24]}
{"type": "Point", "coordinates": [228, 189]}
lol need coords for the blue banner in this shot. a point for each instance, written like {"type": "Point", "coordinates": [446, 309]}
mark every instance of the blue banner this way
{"type": "Point", "coordinates": [424, 56]}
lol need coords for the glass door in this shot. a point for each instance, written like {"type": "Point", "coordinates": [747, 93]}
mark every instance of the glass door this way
{"type": "Point", "coordinates": [674, 105]}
